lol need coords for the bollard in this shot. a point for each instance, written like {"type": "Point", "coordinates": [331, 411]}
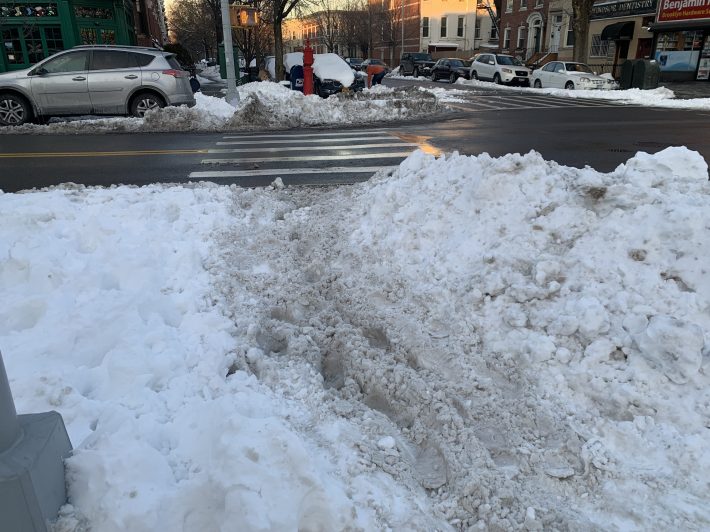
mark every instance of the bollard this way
{"type": "Point", "coordinates": [307, 68]}
{"type": "Point", "coordinates": [32, 452]}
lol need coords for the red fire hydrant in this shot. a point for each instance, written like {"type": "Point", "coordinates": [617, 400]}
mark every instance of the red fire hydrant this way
{"type": "Point", "coordinates": [307, 68]}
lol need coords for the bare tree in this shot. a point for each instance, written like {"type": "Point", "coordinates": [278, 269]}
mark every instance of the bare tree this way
{"type": "Point", "coordinates": [192, 25]}
{"type": "Point", "coordinates": [582, 12]}
{"type": "Point", "coordinates": [356, 29]}
{"type": "Point", "coordinates": [389, 17]}
{"type": "Point", "coordinates": [275, 12]}
{"type": "Point", "coordinates": [329, 23]}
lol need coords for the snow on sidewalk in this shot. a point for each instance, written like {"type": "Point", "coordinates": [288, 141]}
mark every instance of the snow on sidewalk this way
{"type": "Point", "coordinates": [263, 105]}
{"type": "Point", "coordinates": [467, 342]}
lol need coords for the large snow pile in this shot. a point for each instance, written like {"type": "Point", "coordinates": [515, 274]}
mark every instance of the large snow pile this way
{"type": "Point", "coordinates": [263, 105]}
{"type": "Point", "coordinates": [468, 342]}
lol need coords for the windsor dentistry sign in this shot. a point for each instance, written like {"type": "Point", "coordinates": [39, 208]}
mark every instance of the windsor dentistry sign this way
{"type": "Point", "coordinates": [626, 8]}
{"type": "Point", "coordinates": [683, 10]}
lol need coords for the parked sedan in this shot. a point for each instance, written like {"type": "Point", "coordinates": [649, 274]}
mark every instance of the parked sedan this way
{"type": "Point", "coordinates": [500, 69]}
{"type": "Point", "coordinates": [570, 75]}
{"type": "Point", "coordinates": [451, 68]}
{"type": "Point", "coordinates": [98, 79]}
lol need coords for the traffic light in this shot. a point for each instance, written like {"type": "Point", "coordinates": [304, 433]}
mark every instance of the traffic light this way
{"type": "Point", "coordinates": [243, 16]}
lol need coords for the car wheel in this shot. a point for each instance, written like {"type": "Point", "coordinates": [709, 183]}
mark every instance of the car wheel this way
{"type": "Point", "coordinates": [433, 76]}
{"type": "Point", "coordinates": [538, 85]}
{"type": "Point", "coordinates": [144, 102]}
{"type": "Point", "coordinates": [14, 110]}
{"type": "Point", "coordinates": [452, 78]}
{"type": "Point", "coordinates": [569, 86]}
{"type": "Point", "coordinates": [496, 79]}
{"type": "Point", "coordinates": [474, 75]}
{"type": "Point", "coordinates": [415, 72]}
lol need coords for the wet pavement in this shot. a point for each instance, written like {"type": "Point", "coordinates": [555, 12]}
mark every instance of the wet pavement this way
{"type": "Point", "coordinates": [688, 89]}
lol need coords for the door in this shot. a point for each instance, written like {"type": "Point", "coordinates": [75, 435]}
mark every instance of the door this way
{"type": "Point", "coordinates": [487, 67]}
{"type": "Point", "coordinates": [555, 79]}
{"type": "Point", "coordinates": [555, 33]}
{"type": "Point", "coordinates": [113, 75]}
{"type": "Point", "coordinates": [60, 86]}
{"type": "Point", "coordinates": [643, 50]}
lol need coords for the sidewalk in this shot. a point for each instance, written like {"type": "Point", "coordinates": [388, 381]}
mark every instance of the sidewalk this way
{"type": "Point", "coordinates": [688, 89]}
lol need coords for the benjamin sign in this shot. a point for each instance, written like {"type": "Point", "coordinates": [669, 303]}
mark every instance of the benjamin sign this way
{"type": "Point", "coordinates": [680, 10]}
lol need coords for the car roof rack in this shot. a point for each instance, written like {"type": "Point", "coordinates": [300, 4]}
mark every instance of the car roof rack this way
{"type": "Point", "coordinates": [144, 48]}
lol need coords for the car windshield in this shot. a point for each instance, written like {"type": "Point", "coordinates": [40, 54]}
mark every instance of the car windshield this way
{"type": "Point", "coordinates": [421, 57]}
{"type": "Point", "coordinates": [508, 60]}
{"type": "Point", "coordinates": [578, 67]}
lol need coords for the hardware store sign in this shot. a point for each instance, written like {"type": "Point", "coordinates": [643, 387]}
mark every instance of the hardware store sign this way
{"type": "Point", "coordinates": [680, 10]}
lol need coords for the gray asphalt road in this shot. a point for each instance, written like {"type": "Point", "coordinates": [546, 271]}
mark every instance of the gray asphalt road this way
{"type": "Point", "coordinates": [574, 133]}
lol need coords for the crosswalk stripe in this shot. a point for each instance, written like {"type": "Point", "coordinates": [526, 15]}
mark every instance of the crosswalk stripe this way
{"type": "Point", "coordinates": [311, 148]}
{"type": "Point", "coordinates": [306, 135]}
{"type": "Point", "coordinates": [284, 141]}
{"type": "Point", "coordinates": [291, 171]}
{"type": "Point", "coordinates": [383, 155]}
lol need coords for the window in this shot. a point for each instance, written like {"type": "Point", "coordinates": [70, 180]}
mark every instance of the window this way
{"type": "Point", "coordinates": [459, 28]}
{"type": "Point", "coordinates": [30, 44]}
{"type": "Point", "coordinates": [477, 29]}
{"type": "Point", "coordinates": [69, 62]}
{"type": "Point", "coordinates": [570, 33]}
{"type": "Point", "coordinates": [443, 26]}
{"type": "Point", "coordinates": [550, 67]}
{"type": "Point", "coordinates": [523, 4]}
{"type": "Point", "coordinates": [521, 37]}
{"type": "Point", "coordinates": [538, 3]}
{"type": "Point", "coordinates": [425, 27]}
{"type": "Point", "coordinates": [508, 6]}
{"type": "Point", "coordinates": [110, 60]}
{"type": "Point", "coordinates": [506, 38]}
{"type": "Point", "coordinates": [599, 48]}
{"type": "Point", "coordinates": [13, 46]}
{"type": "Point", "coordinates": [143, 59]}
{"type": "Point", "coordinates": [494, 33]}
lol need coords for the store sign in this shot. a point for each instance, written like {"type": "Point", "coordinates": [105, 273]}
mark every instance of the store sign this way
{"type": "Point", "coordinates": [682, 10]}
{"type": "Point", "coordinates": [627, 8]}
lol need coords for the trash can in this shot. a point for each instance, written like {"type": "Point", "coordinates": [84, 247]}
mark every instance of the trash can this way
{"type": "Point", "coordinates": [646, 74]}
{"type": "Point", "coordinates": [627, 74]}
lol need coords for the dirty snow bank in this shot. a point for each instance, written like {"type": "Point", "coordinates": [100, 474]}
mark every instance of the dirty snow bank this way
{"type": "Point", "coordinates": [263, 105]}
{"type": "Point", "coordinates": [659, 97]}
{"type": "Point", "coordinates": [469, 342]}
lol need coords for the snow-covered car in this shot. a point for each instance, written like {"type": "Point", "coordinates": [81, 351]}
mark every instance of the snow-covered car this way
{"type": "Point", "coordinates": [331, 74]}
{"type": "Point", "coordinates": [500, 69]}
{"type": "Point", "coordinates": [570, 75]}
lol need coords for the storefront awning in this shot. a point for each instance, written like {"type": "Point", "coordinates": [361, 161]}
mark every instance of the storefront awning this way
{"type": "Point", "coordinates": [443, 46]}
{"type": "Point", "coordinates": [620, 31]}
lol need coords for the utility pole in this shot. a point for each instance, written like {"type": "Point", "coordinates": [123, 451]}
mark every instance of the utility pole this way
{"type": "Point", "coordinates": [232, 96]}
{"type": "Point", "coordinates": [401, 51]}
{"type": "Point", "coordinates": [32, 452]}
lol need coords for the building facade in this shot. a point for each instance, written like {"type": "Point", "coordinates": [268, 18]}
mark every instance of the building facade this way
{"type": "Point", "coordinates": [31, 32]}
{"type": "Point", "coordinates": [523, 26]}
{"type": "Point", "coordinates": [618, 31]}
{"type": "Point", "coordinates": [682, 39]}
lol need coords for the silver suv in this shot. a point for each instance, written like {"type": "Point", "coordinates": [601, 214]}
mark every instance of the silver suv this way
{"type": "Point", "coordinates": [94, 80]}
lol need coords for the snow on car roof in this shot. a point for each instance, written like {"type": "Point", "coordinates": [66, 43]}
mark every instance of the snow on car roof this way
{"type": "Point", "coordinates": [325, 66]}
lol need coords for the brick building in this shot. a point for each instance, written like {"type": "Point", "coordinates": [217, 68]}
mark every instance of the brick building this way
{"type": "Point", "coordinates": [523, 27]}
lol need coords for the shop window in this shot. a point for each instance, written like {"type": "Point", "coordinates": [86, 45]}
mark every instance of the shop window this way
{"type": "Point", "coordinates": [93, 12]}
{"type": "Point", "coordinates": [12, 46]}
{"type": "Point", "coordinates": [27, 10]}
{"type": "Point", "coordinates": [53, 39]}
{"type": "Point", "coordinates": [33, 44]}
{"type": "Point", "coordinates": [88, 36]}
{"type": "Point", "coordinates": [599, 48]}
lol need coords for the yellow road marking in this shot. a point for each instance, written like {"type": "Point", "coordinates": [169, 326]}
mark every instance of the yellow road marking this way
{"type": "Point", "coordinates": [26, 155]}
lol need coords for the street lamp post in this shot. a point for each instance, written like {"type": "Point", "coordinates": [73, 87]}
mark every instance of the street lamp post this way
{"type": "Point", "coordinates": [232, 96]}
{"type": "Point", "coordinates": [401, 50]}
